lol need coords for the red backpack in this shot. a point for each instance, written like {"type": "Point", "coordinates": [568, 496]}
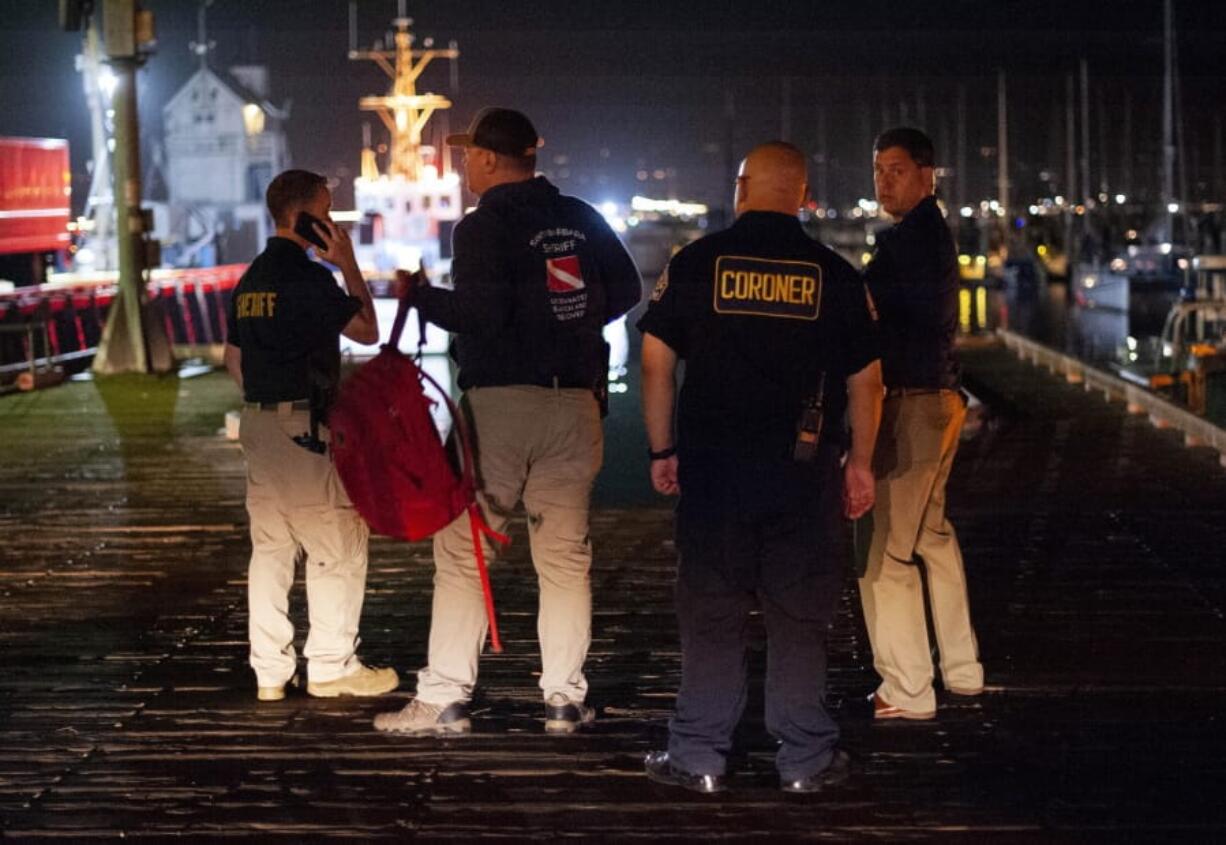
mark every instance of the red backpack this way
{"type": "Point", "coordinates": [393, 463]}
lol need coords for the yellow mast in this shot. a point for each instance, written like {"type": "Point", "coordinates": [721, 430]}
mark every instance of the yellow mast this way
{"type": "Point", "coordinates": [404, 112]}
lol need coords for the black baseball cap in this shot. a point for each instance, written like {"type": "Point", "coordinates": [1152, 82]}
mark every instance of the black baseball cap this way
{"type": "Point", "coordinates": [503, 131]}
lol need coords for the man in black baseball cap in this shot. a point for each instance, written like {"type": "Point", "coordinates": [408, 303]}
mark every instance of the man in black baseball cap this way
{"type": "Point", "coordinates": [500, 145]}
{"type": "Point", "coordinates": [536, 276]}
{"type": "Point", "coordinates": [502, 131]}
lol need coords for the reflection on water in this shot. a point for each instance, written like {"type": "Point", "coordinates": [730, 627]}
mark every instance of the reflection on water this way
{"type": "Point", "coordinates": [1048, 314]}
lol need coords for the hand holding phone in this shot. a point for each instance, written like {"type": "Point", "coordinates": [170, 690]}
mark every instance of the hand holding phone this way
{"type": "Point", "coordinates": [304, 227]}
{"type": "Point", "coordinates": [331, 242]}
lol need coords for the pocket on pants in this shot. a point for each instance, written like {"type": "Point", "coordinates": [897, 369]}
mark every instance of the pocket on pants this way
{"type": "Point", "coordinates": [331, 536]}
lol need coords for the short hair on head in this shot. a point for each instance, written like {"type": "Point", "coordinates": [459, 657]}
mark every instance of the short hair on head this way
{"type": "Point", "coordinates": [916, 143]}
{"type": "Point", "coordinates": [289, 189]}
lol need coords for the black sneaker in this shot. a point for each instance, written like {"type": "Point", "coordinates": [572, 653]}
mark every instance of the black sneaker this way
{"type": "Point", "coordinates": [563, 716]}
{"type": "Point", "coordinates": [661, 770]}
{"type": "Point", "coordinates": [837, 772]}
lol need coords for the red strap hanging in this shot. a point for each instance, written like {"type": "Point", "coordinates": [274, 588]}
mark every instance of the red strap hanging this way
{"type": "Point", "coordinates": [480, 527]}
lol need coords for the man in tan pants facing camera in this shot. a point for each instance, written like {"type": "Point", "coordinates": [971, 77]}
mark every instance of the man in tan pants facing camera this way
{"type": "Point", "coordinates": [913, 279]}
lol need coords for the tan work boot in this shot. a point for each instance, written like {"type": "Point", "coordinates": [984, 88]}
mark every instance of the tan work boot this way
{"type": "Point", "coordinates": [276, 692]}
{"type": "Point", "coordinates": [417, 718]}
{"type": "Point", "coordinates": [364, 683]}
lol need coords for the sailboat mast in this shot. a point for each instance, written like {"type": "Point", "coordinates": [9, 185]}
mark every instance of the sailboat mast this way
{"type": "Point", "coordinates": [1168, 120]}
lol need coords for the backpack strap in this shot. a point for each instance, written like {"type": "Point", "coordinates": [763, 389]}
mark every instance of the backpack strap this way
{"type": "Point", "coordinates": [476, 520]}
{"type": "Point", "coordinates": [479, 527]}
{"type": "Point", "coordinates": [402, 313]}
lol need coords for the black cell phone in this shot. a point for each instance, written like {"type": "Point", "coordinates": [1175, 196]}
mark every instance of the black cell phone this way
{"type": "Point", "coordinates": [304, 227]}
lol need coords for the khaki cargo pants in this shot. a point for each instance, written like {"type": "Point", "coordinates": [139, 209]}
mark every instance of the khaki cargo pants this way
{"type": "Point", "coordinates": [914, 455]}
{"type": "Point", "coordinates": [542, 446]}
{"type": "Point", "coordinates": [296, 502]}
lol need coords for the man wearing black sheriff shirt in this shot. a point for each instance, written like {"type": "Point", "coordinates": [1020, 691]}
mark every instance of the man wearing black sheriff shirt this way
{"type": "Point", "coordinates": [284, 327]}
{"type": "Point", "coordinates": [770, 325]}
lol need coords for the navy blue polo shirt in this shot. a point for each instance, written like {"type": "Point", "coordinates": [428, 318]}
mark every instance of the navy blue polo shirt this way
{"type": "Point", "coordinates": [913, 278]}
{"type": "Point", "coordinates": [286, 315]}
{"type": "Point", "coordinates": [759, 312]}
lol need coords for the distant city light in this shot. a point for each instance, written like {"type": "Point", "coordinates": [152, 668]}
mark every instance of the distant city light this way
{"type": "Point", "coordinates": [107, 82]}
{"type": "Point", "coordinates": [1164, 248]}
{"type": "Point", "coordinates": [1173, 208]}
{"type": "Point", "coordinates": [1041, 249]}
{"type": "Point", "coordinates": [967, 211]}
{"type": "Point", "coordinates": [610, 212]}
{"type": "Point", "coordinates": [1120, 199]}
{"type": "Point", "coordinates": [673, 207]}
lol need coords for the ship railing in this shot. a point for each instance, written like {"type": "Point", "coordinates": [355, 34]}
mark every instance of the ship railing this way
{"type": "Point", "coordinates": [61, 322]}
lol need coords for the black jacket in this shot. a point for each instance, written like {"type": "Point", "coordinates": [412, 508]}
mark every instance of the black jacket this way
{"type": "Point", "coordinates": [536, 276]}
{"type": "Point", "coordinates": [913, 279]}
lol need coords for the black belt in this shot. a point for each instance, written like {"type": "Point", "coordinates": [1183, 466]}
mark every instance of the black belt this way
{"type": "Point", "coordinates": [559, 383]}
{"type": "Point", "coordinates": [293, 404]}
{"type": "Point", "coordinates": [893, 392]}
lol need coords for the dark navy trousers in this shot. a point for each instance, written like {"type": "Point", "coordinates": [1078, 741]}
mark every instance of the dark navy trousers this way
{"type": "Point", "coordinates": [765, 535]}
{"type": "Point", "coordinates": [714, 630]}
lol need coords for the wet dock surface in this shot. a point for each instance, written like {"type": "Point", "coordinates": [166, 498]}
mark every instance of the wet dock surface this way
{"type": "Point", "coordinates": [1096, 551]}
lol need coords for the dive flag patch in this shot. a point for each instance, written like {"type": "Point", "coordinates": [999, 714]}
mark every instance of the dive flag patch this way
{"type": "Point", "coordinates": [563, 274]}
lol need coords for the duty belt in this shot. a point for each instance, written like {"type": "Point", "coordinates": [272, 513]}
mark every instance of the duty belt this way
{"type": "Point", "coordinates": [290, 405]}
{"type": "Point", "coordinates": [559, 383]}
{"type": "Point", "coordinates": [894, 392]}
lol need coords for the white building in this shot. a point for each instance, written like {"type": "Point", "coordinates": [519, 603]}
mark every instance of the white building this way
{"type": "Point", "coordinates": [224, 144]}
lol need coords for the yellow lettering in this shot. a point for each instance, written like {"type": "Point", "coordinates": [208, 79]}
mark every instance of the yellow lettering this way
{"type": "Point", "coordinates": [807, 287]}
{"type": "Point", "coordinates": [726, 284]}
{"type": "Point", "coordinates": [272, 302]}
{"type": "Point", "coordinates": [755, 285]}
{"type": "Point", "coordinates": [244, 305]}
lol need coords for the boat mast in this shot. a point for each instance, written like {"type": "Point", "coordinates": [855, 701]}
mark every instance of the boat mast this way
{"type": "Point", "coordinates": [404, 112]}
{"type": "Point", "coordinates": [1002, 144]}
{"type": "Point", "coordinates": [1168, 121]}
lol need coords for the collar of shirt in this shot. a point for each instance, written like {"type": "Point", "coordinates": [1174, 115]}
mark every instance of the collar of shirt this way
{"type": "Point", "coordinates": [754, 220]}
{"type": "Point", "coordinates": [526, 189]}
{"type": "Point", "coordinates": [284, 247]}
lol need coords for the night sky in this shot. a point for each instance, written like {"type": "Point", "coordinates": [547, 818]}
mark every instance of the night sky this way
{"type": "Point", "coordinates": [619, 88]}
